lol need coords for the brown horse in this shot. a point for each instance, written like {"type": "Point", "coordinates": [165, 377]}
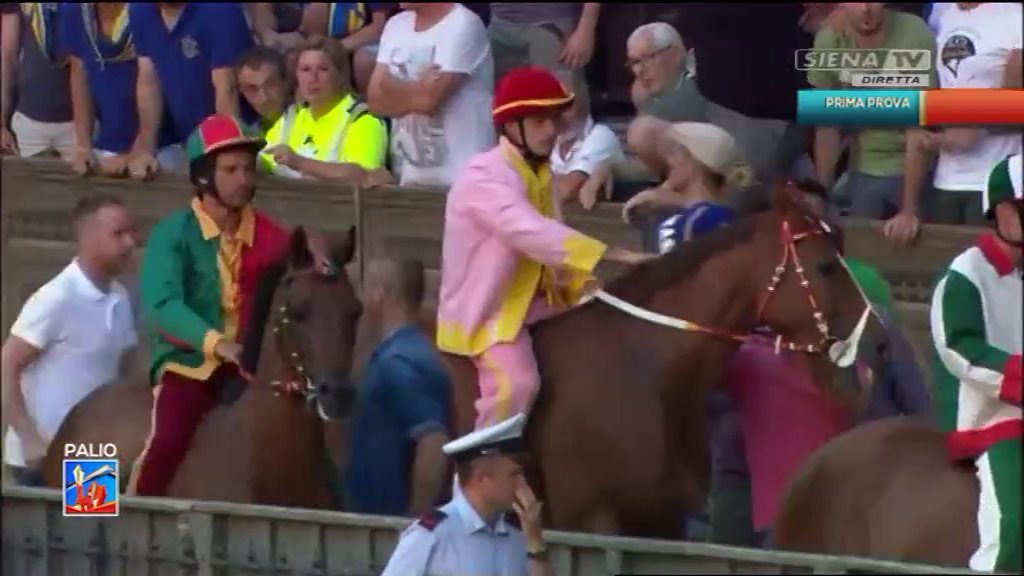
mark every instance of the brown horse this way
{"type": "Point", "coordinates": [617, 434]}
{"type": "Point", "coordinates": [884, 490]}
{"type": "Point", "coordinates": [265, 443]}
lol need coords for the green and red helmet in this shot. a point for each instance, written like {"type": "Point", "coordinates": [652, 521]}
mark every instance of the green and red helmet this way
{"type": "Point", "coordinates": [216, 133]}
{"type": "Point", "coordinates": [1004, 184]}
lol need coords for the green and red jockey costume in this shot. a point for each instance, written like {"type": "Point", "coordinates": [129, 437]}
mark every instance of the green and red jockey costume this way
{"type": "Point", "coordinates": [976, 327]}
{"type": "Point", "coordinates": [197, 287]}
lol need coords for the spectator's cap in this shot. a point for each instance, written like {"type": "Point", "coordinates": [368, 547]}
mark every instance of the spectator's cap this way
{"type": "Point", "coordinates": [526, 91]}
{"type": "Point", "coordinates": [218, 132]}
{"type": "Point", "coordinates": [1004, 184]}
{"type": "Point", "coordinates": [502, 439]}
{"type": "Point", "coordinates": [710, 145]}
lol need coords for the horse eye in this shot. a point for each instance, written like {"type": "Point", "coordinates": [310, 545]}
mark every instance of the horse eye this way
{"type": "Point", "coordinates": [828, 268]}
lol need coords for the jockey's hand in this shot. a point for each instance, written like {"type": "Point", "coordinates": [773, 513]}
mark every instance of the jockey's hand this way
{"type": "Point", "coordinates": [228, 350]}
{"type": "Point", "coordinates": [528, 508]}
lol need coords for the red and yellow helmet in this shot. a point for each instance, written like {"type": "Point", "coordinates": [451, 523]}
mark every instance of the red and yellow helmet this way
{"type": "Point", "coordinates": [527, 91]}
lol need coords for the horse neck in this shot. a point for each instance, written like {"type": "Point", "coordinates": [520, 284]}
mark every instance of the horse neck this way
{"type": "Point", "coordinates": [719, 295]}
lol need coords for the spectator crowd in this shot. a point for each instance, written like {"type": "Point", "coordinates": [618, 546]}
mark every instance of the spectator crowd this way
{"type": "Point", "coordinates": [373, 93]}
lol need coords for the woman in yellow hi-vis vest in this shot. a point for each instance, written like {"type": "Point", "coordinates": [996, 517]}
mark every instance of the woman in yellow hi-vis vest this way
{"type": "Point", "coordinates": [328, 132]}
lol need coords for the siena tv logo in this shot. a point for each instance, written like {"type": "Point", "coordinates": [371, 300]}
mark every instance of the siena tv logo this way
{"type": "Point", "coordinates": [91, 480]}
{"type": "Point", "coordinates": [864, 60]}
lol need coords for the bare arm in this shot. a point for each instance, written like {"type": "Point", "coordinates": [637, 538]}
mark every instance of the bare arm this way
{"type": "Point", "coordinates": [567, 186]}
{"type": "Point", "coordinates": [826, 153]}
{"type": "Point", "coordinates": [17, 355]}
{"type": "Point", "coordinates": [1013, 72]}
{"type": "Point", "coordinates": [330, 170]}
{"type": "Point", "coordinates": [917, 157]}
{"type": "Point", "coordinates": [588, 17]}
{"type": "Point", "coordinates": [261, 17]}
{"type": "Point", "coordinates": [314, 19]}
{"type": "Point", "coordinates": [150, 102]}
{"type": "Point", "coordinates": [391, 97]}
{"type": "Point", "coordinates": [427, 473]}
{"type": "Point", "coordinates": [540, 568]}
{"type": "Point", "coordinates": [367, 34]}
{"type": "Point", "coordinates": [81, 105]}
{"type": "Point", "coordinates": [10, 47]}
{"type": "Point", "coordinates": [226, 91]}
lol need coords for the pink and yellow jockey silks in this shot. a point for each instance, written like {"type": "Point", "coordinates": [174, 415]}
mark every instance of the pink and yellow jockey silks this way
{"type": "Point", "coordinates": [503, 249]}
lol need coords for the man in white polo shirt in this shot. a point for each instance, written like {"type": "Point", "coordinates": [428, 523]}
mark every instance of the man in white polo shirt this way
{"type": "Point", "coordinates": [70, 336]}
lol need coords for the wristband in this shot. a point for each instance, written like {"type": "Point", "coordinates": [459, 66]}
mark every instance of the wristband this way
{"type": "Point", "coordinates": [538, 553]}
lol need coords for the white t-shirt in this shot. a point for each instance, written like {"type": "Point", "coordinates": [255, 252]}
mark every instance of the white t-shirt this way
{"type": "Point", "coordinates": [598, 145]}
{"type": "Point", "coordinates": [432, 150]}
{"type": "Point", "coordinates": [972, 49]}
{"type": "Point", "coordinates": [82, 332]}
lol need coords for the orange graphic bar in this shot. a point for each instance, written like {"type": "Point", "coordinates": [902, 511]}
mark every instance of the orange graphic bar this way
{"type": "Point", "coordinates": [972, 106]}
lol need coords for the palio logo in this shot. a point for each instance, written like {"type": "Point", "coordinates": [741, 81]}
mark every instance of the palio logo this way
{"type": "Point", "coordinates": [91, 478]}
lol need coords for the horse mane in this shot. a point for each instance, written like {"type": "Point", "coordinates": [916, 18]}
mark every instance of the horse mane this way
{"type": "Point", "coordinates": [683, 261]}
{"type": "Point", "coordinates": [256, 324]}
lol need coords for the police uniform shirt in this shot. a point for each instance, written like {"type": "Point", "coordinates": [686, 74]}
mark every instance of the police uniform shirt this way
{"type": "Point", "coordinates": [454, 540]}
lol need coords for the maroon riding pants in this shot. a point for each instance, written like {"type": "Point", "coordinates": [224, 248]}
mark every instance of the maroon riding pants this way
{"type": "Point", "coordinates": [179, 406]}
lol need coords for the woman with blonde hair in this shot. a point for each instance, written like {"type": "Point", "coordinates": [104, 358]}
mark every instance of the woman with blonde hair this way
{"type": "Point", "coordinates": [328, 132]}
{"type": "Point", "coordinates": [702, 167]}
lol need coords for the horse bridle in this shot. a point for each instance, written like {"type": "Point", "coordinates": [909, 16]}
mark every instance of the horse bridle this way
{"type": "Point", "coordinates": [841, 352]}
{"type": "Point", "coordinates": [296, 381]}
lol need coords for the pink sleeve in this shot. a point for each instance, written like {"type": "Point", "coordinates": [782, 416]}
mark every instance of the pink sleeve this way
{"type": "Point", "coordinates": [502, 208]}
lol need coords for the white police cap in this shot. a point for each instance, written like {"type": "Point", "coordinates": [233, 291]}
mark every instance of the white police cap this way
{"type": "Point", "coordinates": [505, 437]}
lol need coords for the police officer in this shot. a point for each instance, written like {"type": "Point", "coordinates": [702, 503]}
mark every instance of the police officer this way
{"type": "Point", "coordinates": [474, 533]}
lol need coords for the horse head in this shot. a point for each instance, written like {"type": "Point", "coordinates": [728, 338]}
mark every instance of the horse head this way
{"type": "Point", "coordinates": [312, 314]}
{"type": "Point", "coordinates": [812, 302]}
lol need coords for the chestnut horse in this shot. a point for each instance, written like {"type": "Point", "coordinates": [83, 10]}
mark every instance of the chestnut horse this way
{"type": "Point", "coordinates": [264, 443]}
{"type": "Point", "coordinates": [884, 490]}
{"type": "Point", "coordinates": [617, 434]}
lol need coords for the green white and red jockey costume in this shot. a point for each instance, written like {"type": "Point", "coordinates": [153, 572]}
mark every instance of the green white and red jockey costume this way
{"type": "Point", "coordinates": [976, 319]}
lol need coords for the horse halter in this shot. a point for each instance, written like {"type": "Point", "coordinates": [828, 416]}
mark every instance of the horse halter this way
{"type": "Point", "coordinates": [840, 352]}
{"type": "Point", "coordinates": [297, 381]}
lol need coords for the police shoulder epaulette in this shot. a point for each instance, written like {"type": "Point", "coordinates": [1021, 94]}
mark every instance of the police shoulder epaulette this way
{"type": "Point", "coordinates": [431, 519]}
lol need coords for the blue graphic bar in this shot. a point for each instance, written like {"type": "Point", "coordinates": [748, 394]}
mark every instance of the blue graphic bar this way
{"type": "Point", "coordinates": [881, 108]}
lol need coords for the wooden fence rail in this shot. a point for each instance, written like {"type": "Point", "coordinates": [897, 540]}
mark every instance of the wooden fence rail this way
{"type": "Point", "coordinates": [392, 221]}
{"type": "Point", "coordinates": [164, 537]}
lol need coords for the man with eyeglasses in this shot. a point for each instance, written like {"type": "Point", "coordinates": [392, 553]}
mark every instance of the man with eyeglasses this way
{"type": "Point", "coordinates": [656, 56]}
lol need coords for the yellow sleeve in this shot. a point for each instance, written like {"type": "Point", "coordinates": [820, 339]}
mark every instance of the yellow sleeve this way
{"type": "Point", "coordinates": [366, 143]}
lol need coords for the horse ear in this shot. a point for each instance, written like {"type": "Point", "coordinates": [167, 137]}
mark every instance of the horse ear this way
{"type": "Point", "coordinates": [298, 251]}
{"type": "Point", "coordinates": [344, 248]}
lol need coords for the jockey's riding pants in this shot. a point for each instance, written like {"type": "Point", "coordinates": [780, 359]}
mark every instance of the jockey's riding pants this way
{"type": "Point", "coordinates": [999, 509]}
{"type": "Point", "coordinates": [507, 373]}
{"type": "Point", "coordinates": [179, 405]}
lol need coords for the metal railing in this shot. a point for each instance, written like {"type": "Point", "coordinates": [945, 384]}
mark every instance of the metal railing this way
{"type": "Point", "coordinates": [163, 537]}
